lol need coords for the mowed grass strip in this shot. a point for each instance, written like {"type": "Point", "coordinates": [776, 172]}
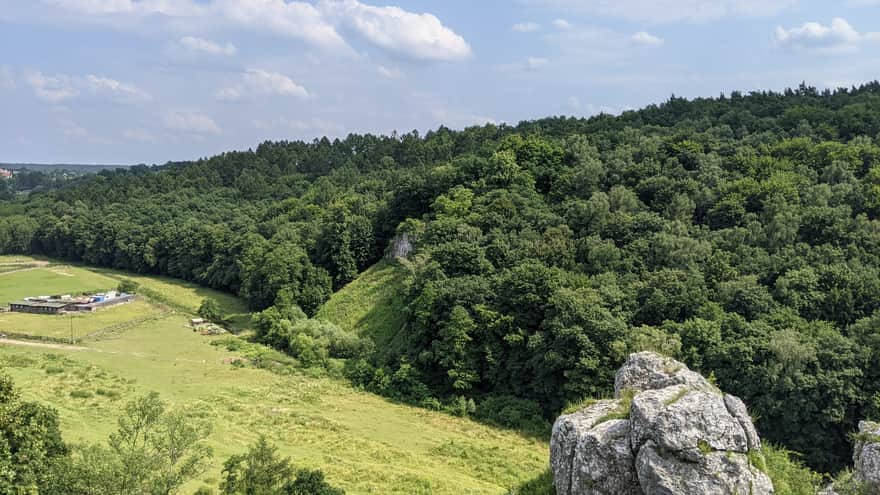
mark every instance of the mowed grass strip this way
{"type": "Point", "coordinates": [50, 281]}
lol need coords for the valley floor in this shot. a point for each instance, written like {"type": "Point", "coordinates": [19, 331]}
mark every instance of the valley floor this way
{"type": "Point", "coordinates": [363, 443]}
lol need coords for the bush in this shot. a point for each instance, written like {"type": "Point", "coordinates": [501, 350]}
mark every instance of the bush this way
{"type": "Point", "coordinates": [81, 394]}
{"type": "Point", "coordinates": [128, 286]}
{"type": "Point", "coordinates": [789, 475]}
{"type": "Point", "coordinates": [512, 412]}
{"type": "Point", "coordinates": [541, 485]}
{"type": "Point", "coordinates": [210, 311]}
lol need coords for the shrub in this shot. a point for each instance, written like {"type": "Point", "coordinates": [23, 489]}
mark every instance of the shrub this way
{"type": "Point", "coordinates": [512, 412]}
{"type": "Point", "coordinates": [788, 473]}
{"type": "Point", "coordinates": [128, 286]}
{"type": "Point", "coordinates": [81, 394]}
{"type": "Point", "coordinates": [210, 311]}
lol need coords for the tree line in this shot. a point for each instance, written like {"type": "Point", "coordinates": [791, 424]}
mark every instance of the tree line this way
{"type": "Point", "coordinates": [738, 233]}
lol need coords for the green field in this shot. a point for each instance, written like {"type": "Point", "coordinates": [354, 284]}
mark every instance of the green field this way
{"type": "Point", "coordinates": [364, 444]}
{"type": "Point", "coordinates": [52, 280]}
{"type": "Point", "coordinates": [80, 325]}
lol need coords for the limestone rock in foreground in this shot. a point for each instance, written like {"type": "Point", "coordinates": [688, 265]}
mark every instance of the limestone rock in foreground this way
{"type": "Point", "coordinates": [650, 371]}
{"type": "Point", "coordinates": [590, 453]}
{"type": "Point", "coordinates": [679, 436]}
{"type": "Point", "coordinates": [866, 455]}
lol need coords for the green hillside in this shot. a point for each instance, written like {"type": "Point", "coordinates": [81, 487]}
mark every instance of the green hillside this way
{"type": "Point", "coordinates": [372, 305]}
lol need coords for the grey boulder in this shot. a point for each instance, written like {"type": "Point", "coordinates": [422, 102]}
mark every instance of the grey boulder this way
{"type": "Point", "coordinates": [669, 432]}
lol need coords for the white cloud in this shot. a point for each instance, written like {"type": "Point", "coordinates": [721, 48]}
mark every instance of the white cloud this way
{"type": "Point", "coordinates": [117, 91]}
{"type": "Point", "coordinates": [53, 89]}
{"type": "Point", "coordinates": [418, 36]}
{"type": "Point", "coordinates": [389, 72]}
{"type": "Point", "coordinates": [274, 83]}
{"type": "Point", "coordinates": [229, 94]}
{"type": "Point", "coordinates": [533, 63]}
{"type": "Point", "coordinates": [660, 11]}
{"type": "Point", "coordinates": [526, 27]}
{"type": "Point", "coordinates": [646, 38]}
{"type": "Point", "coordinates": [562, 24]}
{"type": "Point", "coordinates": [263, 82]}
{"type": "Point", "coordinates": [295, 19]}
{"type": "Point", "coordinates": [191, 122]}
{"type": "Point", "coordinates": [209, 47]}
{"type": "Point", "coordinates": [61, 87]}
{"type": "Point", "coordinates": [839, 36]}
{"type": "Point", "coordinates": [574, 102]}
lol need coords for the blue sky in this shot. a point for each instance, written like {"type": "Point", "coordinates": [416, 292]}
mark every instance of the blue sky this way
{"type": "Point", "coordinates": [147, 81]}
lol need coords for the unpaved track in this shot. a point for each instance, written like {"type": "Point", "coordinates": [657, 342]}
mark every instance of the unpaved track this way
{"type": "Point", "coordinates": [31, 265]}
{"type": "Point", "coordinates": [67, 347]}
{"type": "Point", "coordinates": [45, 345]}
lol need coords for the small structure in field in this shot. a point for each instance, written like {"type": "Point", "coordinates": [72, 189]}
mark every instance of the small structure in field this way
{"type": "Point", "coordinates": [66, 303]}
{"type": "Point", "coordinates": [205, 327]}
{"type": "Point", "coordinates": [40, 306]}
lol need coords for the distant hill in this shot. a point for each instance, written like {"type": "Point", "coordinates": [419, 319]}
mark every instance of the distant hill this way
{"type": "Point", "coordinates": [76, 167]}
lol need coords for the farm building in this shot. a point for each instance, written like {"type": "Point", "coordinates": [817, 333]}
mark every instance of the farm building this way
{"type": "Point", "coordinates": [41, 306]}
{"type": "Point", "coordinates": [63, 304]}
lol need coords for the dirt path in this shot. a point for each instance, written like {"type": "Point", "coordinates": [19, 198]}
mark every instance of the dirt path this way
{"type": "Point", "coordinates": [67, 347]}
{"type": "Point", "coordinates": [45, 345]}
{"type": "Point", "coordinates": [31, 265]}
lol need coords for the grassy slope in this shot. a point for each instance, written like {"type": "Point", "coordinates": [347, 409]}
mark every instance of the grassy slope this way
{"type": "Point", "coordinates": [371, 305]}
{"type": "Point", "coordinates": [364, 443]}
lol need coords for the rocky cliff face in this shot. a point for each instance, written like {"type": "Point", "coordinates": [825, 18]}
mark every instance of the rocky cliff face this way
{"type": "Point", "coordinates": [866, 456]}
{"type": "Point", "coordinates": [400, 247]}
{"type": "Point", "coordinates": [668, 431]}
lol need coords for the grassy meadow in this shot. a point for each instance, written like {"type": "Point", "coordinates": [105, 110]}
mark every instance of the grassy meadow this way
{"type": "Point", "coordinates": [364, 444]}
{"type": "Point", "coordinates": [371, 305]}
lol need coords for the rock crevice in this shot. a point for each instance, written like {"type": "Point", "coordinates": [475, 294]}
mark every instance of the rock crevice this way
{"type": "Point", "coordinates": [680, 436]}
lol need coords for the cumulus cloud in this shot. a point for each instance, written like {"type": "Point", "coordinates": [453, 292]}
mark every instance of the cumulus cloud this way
{"type": "Point", "coordinates": [562, 24]}
{"type": "Point", "coordinates": [258, 81]}
{"type": "Point", "coordinates": [274, 83]}
{"type": "Point", "coordinates": [295, 19]}
{"type": "Point", "coordinates": [526, 27]}
{"type": "Point", "coordinates": [836, 37]}
{"type": "Point", "coordinates": [418, 36]}
{"type": "Point", "coordinates": [660, 11]}
{"type": "Point", "coordinates": [646, 38]}
{"type": "Point", "coordinates": [190, 122]}
{"type": "Point", "coordinates": [201, 45]}
{"type": "Point", "coordinates": [389, 72]}
{"type": "Point", "coordinates": [116, 90]}
{"type": "Point", "coordinates": [53, 89]}
{"type": "Point", "coordinates": [61, 87]}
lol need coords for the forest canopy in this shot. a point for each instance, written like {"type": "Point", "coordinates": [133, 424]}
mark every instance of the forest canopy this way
{"type": "Point", "coordinates": [738, 233]}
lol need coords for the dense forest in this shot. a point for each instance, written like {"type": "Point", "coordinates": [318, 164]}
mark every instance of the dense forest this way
{"type": "Point", "coordinates": [739, 234]}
